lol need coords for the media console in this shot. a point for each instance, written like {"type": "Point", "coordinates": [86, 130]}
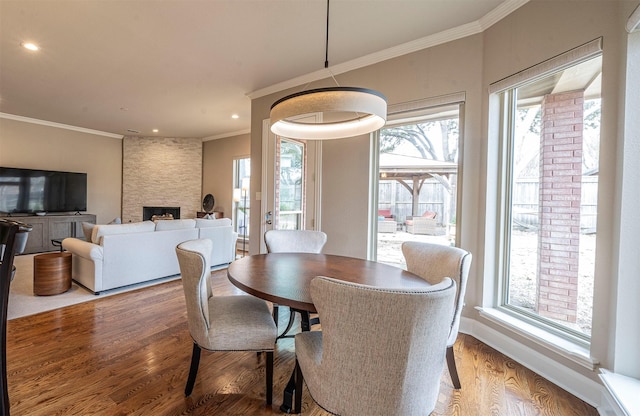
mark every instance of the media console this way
{"type": "Point", "coordinates": [51, 227]}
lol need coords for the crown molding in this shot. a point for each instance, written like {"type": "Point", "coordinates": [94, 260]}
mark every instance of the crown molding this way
{"type": "Point", "coordinates": [500, 12]}
{"type": "Point", "coordinates": [440, 38]}
{"type": "Point", "coordinates": [633, 23]}
{"type": "Point", "coordinates": [59, 125]}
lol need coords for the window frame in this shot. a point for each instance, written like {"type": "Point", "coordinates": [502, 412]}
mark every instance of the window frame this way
{"type": "Point", "coordinates": [502, 99]}
{"type": "Point", "coordinates": [407, 113]}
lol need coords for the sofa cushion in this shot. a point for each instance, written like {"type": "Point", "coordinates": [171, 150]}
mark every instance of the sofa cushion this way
{"type": "Point", "coordinates": [429, 214]}
{"type": "Point", "coordinates": [205, 223]}
{"type": "Point", "coordinates": [385, 213]}
{"type": "Point", "coordinates": [87, 227]}
{"type": "Point", "coordinates": [165, 225]}
{"type": "Point", "coordinates": [110, 229]}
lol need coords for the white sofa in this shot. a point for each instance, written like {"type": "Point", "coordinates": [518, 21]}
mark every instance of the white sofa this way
{"type": "Point", "coordinates": [124, 254]}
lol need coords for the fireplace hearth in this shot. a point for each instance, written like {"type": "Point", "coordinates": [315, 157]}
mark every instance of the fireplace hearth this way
{"type": "Point", "coordinates": [171, 212]}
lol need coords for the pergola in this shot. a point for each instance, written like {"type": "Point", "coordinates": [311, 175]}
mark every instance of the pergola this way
{"type": "Point", "coordinates": [411, 172]}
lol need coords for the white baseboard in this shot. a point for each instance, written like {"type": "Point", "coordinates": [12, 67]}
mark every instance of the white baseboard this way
{"type": "Point", "coordinates": [570, 380]}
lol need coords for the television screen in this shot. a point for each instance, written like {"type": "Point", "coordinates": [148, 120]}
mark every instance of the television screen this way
{"type": "Point", "coordinates": [30, 191]}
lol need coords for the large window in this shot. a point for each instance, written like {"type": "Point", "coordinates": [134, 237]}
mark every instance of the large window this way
{"type": "Point", "coordinates": [241, 200]}
{"type": "Point", "coordinates": [549, 176]}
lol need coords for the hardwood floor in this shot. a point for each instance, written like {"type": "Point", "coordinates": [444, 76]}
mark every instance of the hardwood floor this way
{"type": "Point", "coordinates": [129, 354]}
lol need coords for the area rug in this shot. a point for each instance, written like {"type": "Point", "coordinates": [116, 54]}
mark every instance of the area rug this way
{"type": "Point", "coordinates": [22, 301]}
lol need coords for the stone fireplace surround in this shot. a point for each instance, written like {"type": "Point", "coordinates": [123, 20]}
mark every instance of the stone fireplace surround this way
{"type": "Point", "coordinates": [161, 172]}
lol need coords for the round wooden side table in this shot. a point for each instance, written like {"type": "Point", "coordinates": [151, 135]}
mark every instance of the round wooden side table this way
{"type": "Point", "coordinates": [51, 273]}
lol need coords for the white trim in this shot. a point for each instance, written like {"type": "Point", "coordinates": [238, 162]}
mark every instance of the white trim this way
{"type": "Point", "coordinates": [579, 385]}
{"type": "Point", "coordinates": [59, 125]}
{"type": "Point", "coordinates": [622, 391]}
{"type": "Point", "coordinates": [564, 60]}
{"type": "Point", "coordinates": [459, 32]}
{"type": "Point", "coordinates": [558, 345]}
{"type": "Point", "coordinates": [503, 10]}
{"type": "Point", "coordinates": [317, 192]}
{"type": "Point", "coordinates": [633, 23]}
{"type": "Point", "coordinates": [225, 135]}
{"type": "Point", "coordinates": [266, 131]}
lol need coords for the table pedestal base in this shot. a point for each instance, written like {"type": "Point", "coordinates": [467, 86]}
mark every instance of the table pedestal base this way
{"type": "Point", "coordinates": [295, 383]}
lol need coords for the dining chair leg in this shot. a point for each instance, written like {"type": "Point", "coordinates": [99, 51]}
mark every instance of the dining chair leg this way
{"type": "Point", "coordinates": [297, 407]}
{"type": "Point", "coordinates": [193, 370]}
{"type": "Point", "coordinates": [453, 370]}
{"type": "Point", "coordinates": [269, 377]}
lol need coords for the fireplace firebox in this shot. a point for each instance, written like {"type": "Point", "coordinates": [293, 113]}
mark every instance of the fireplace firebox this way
{"type": "Point", "coordinates": [171, 212]}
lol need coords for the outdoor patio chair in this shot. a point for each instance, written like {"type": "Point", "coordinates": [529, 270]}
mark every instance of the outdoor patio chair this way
{"type": "Point", "coordinates": [425, 224]}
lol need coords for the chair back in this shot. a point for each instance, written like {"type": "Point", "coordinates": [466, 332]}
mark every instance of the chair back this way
{"type": "Point", "coordinates": [294, 241]}
{"type": "Point", "coordinates": [13, 239]}
{"type": "Point", "coordinates": [433, 262]}
{"type": "Point", "coordinates": [193, 258]}
{"type": "Point", "coordinates": [383, 350]}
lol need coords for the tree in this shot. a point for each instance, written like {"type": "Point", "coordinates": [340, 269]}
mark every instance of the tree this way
{"type": "Point", "coordinates": [434, 140]}
{"type": "Point", "coordinates": [420, 136]}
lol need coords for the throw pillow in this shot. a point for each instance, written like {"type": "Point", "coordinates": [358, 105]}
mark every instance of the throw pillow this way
{"type": "Point", "coordinates": [87, 229]}
{"type": "Point", "coordinates": [116, 220]}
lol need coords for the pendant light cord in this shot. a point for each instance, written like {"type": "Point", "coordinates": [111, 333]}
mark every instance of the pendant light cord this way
{"type": "Point", "coordinates": [326, 49]}
{"type": "Point", "coordinates": [326, 52]}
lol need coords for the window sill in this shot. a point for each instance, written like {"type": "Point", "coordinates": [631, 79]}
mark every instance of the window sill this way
{"type": "Point", "coordinates": [624, 390]}
{"type": "Point", "coordinates": [561, 346]}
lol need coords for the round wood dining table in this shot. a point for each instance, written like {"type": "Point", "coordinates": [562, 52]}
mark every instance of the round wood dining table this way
{"type": "Point", "coordinates": [285, 279]}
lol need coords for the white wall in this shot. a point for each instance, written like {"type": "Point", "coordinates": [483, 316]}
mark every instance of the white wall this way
{"type": "Point", "coordinates": [36, 146]}
{"type": "Point", "coordinates": [537, 31]}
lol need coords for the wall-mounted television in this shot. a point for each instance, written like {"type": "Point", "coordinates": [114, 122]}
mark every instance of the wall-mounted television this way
{"type": "Point", "coordinates": [33, 191]}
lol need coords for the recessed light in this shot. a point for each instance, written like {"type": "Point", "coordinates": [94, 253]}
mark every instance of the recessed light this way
{"type": "Point", "coordinates": [155, 130]}
{"type": "Point", "coordinates": [30, 46]}
{"type": "Point", "coordinates": [234, 116]}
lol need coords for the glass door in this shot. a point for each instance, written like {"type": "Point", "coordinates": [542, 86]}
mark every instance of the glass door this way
{"type": "Point", "coordinates": [290, 196]}
{"type": "Point", "coordinates": [417, 182]}
{"type": "Point", "coordinates": [290, 181]}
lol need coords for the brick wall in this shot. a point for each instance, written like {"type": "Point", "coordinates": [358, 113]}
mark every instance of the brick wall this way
{"type": "Point", "coordinates": [158, 171]}
{"type": "Point", "coordinates": [560, 189]}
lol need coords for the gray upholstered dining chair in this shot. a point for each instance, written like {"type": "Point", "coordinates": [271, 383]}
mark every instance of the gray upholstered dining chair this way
{"type": "Point", "coordinates": [293, 241]}
{"type": "Point", "coordinates": [222, 323]}
{"type": "Point", "coordinates": [433, 262]}
{"type": "Point", "coordinates": [380, 351]}
{"type": "Point", "coordinates": [13, 240]}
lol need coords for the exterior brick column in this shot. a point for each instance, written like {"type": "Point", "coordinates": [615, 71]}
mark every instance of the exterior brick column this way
{"type": "Point", "coordinates": [560, 188]}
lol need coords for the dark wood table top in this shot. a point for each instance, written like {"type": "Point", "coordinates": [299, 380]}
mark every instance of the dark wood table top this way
{"type": "Point", "coordinates": [284, 278]}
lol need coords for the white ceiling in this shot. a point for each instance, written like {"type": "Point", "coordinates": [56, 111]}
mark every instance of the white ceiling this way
{"type": "Point", "coordinates": [184, 67]}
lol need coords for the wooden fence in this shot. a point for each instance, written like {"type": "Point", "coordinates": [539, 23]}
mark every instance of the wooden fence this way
{"type": "Point", "coordinates": [434, 197]}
